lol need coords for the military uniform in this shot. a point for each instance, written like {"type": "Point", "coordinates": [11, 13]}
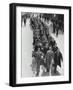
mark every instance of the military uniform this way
{"type": "Point", "coordinates": [38, 59]}
{"type": "Point", "coordinates": [49, 58]}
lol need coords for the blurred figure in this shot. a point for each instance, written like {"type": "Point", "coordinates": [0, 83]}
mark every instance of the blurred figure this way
{"type": "Point", "coordinates": [54, 26]}
{"type": "Point", "coordinates": [57, 29]}
{"type": "Point", "coordinates": [25, 21]}
{"type": "Point", "coordinates": [49, 60]}
{"type": "Point", "coordinates": [38, 58]}
{"type": "Point", "coordinates": [57, 58]}
{"type": "Point", "coordinates": [52, 42]}
{"type": "Point", "coordinates": [46, 48]}
{"type": "Point", "coordinates": [34, 65]}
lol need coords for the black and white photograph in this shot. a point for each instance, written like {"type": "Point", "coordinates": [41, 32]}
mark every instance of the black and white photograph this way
{"type": "Point", "coordinates": [40, 41]}
{"type": "Point", "coordinates": [47, 35]}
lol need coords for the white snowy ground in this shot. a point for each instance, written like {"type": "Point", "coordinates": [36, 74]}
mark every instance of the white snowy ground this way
{"type": "Point", "coordinates": [27, 34]}
{"type": "Point", "coordinates": [27, 39]}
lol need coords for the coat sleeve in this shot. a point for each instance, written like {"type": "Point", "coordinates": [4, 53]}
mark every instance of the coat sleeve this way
{"type": "Point", "coordinates": [61, 57]}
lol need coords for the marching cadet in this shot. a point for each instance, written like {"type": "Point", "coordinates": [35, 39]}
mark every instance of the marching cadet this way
{"type": "Point", "coordinates": [49, 60]}
{"type": "Point", "coordinates": [57, 58]}
{"type": "Point", "coordinates": [38, 57]}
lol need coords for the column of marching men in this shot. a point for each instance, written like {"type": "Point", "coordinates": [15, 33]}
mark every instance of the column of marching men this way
{"type": "Point", "coordinates": [46, 54]}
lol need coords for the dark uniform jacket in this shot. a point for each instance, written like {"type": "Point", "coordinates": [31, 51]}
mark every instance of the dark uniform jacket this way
{"type": "Point", "coordinates": [58, 58]}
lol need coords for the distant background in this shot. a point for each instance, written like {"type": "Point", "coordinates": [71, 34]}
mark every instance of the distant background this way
{"type": "Point", "coordinates": [4, 44]}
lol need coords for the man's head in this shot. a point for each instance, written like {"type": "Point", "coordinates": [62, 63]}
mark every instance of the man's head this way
{"type": "Point", "coordinates": [50, 48]}
{"type": "Point", "coordinates": [38, 49]}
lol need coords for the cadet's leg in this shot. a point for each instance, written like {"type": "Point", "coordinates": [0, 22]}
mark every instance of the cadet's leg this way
{"type": "Point", "coordinates": [48, 67]}
{"type": "Point", "coordinates": [51, 63]}
{"type": "Point", "coordinates": [55, 68]}
{"type": "Point", "coordinates": [38, 69]}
